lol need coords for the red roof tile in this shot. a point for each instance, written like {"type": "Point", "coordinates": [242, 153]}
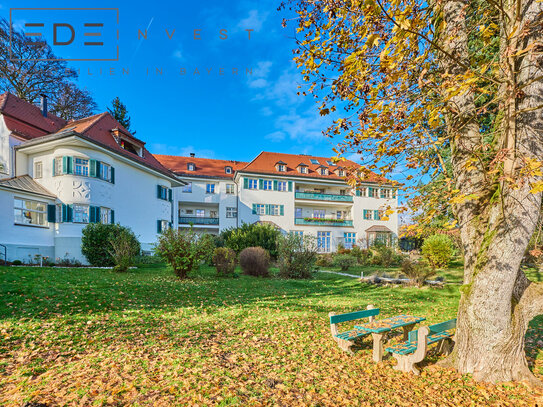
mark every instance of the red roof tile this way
{"type": "Point", "coordinates": [205, 167]}
{"type": "Point", "coordinates": [265, 162]}
{"type": "Point", "coordinates": [28, 120]}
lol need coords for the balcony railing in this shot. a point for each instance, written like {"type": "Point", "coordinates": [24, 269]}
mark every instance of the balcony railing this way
{"type": "Point", "coordinates": [323, 197]}
{"type": "Point", "coordinates": [198, 220]}
{"type": "Point", "coordinates": [322, 222]}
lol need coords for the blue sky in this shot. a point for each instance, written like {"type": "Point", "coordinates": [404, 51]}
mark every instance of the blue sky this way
{"type": "Point", "coordinates": [217, 116]}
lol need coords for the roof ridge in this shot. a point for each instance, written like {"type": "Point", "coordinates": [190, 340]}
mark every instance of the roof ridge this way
{"type": "Point", "coordinates": [98, 117]}
{"type": "Point", "coordinates": [199, 158]}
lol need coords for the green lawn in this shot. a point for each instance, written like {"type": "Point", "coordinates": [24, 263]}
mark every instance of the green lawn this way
{"type": "Point", "coordinates": [94, 337]}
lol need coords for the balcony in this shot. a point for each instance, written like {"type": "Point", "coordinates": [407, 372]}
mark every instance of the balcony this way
{"type": "Point", "coordinates": [313, 196]}
{"type": "Point", "coordinates": [323, 222]}
{"type": "Point", "coordinates": [198, 220]}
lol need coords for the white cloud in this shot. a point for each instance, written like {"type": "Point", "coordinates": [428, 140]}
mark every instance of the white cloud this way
{"type": "Point", "coordinates": [266, 111]}
{"type": "Point", "coordinates": [258, 83]}
{"type": "Point", "coordinates": [258, 78]}
{"type": "Point", "coordinates": [276, 136]}
{"type": "Point", "coordinates": [254, 21]}
{"type": "Point", "coordinates": [167, 149]}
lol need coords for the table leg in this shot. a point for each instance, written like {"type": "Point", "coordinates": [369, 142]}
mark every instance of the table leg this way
{"type": "Point", "coordinates": [406, 330]}
{"type": "Point", "coordinates": [377, 347]}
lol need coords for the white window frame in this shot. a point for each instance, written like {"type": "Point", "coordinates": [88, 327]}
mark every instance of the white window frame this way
{"type": "Point", "coordinates": [314, 161]}
{"type": "Point", "coordinates": [191, 167]}
{"type": "Point", "coordinates": [275, 210]}
{"type": "Point", "coordinates": [25, 213]}
{"type": "Point", "coordinates": [38, 169]}
{"type": "Point", "coordinates": [187, 189]}
{"type": "Point", "coordinates": [83, 210]}
{"type": "Point", "coordinates": [105, 172]}
{"type": "Point", "coordinates": [260, 209]}
{"type": "Point", "coordinates": [252, 183]}
{"type": "Point", "coordinates": [200, 213]}
{"type": "Point", "coordinates": [349, 239]}
{"type": "Point", "coordinates": [231, 212]}
{"type": "Point", "coordinates": [210, 188]}
{"type": "Point", "coordinates": [230, 189]}
{"type": "Point", "coordinates": [303, 170]}
{"type": "Point", "coordinates": [83, 165]}
{"type": "Point", "coordinates": [281, 167]}
{"type": "Point", "coordinates": [58, 166]}
{"type": "Point", "coordinates": [267, 185]}
{"type": "Point", "coordinates": [228, 170]}
{"type": "Point", "coordinates": [105, 215]}
{"type": "Point", "coordinates": [319, 213]}
{"type": "Point", "coordinates": [282, 186]}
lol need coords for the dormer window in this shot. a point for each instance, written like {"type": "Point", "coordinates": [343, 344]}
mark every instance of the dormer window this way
{"type": "Point", "coordinates": [302, 168]}
{"type": "Point", "coordinates": [324, 171]}
{"type": "Point", "coordinates": [341, 173]}
{"type": "Point", "coordinates": [126, 143]}
{"type": "Point", "coordinates": [281, 166]}
{"type": "Point", "coordinates": [228, 170]}
{"type": "Point", "coordinates": [191, 167]}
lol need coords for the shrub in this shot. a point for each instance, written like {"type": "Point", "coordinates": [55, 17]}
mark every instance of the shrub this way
{"type": "Point", "coordinates": [181, 249]}
{"type": "Point", "coordinates": [385, 256]}
{"type": "Point", "coordinates": [417, 271]}
{"type": "Point", "coordinates": [206, 246]}
{"type": "Point", "coordinates": [255, 261]}
{"type": "Point", "coordinates": [123, 250]}
{"type": "Point", "coordinates": [325, 260]}
{"type": "Point", "coordinates": [344, 251]}
{"type": "Point", "coordinates": [95, 242]}
{"type": "Point", "coordinates": [438, 250]}
{"type": "Point", "coordinates": [344, 261]}
{"type": "Point", "coordinates": [148, 259]}
{"type": "Point", "coordinates": [66, 262]}
{"type": "Point", "coordinates": [296, 255]}
{"type": "Point", "coordinates": [224, 259]}
{"type": "Point", "coordinates": [252, 235]}
{"type": "Point", "coordinates": [363, 256]}
{"type": "Point", "coordinates": [17, 262]}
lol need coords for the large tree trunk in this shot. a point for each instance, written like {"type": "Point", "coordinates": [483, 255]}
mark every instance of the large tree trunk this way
{"type": "Point", "coordinates": [497, 301]}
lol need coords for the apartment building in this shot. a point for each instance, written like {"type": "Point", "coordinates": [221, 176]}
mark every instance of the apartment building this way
{"type": "Point", "coordinates": [58, 176]}
{"type": "Point", "coordinates": [302, 194]}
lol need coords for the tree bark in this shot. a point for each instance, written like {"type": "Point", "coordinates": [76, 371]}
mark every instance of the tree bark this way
{"type": "Point", "coordinates": [497, 301]}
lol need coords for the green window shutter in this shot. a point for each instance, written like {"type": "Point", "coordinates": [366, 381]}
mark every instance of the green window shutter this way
{"type": "Point", "coordinates": [275, 185]}
{"type": "Point", "coordinates": [70, 213]}
{"type": "Point", "coordinates": [245, 183]}
{"type": "Point", "coordinates": [112, 221]}
{"type": "Point", "coordinates": [267, 209]}
{"type": "Point", "coordinates": [376, 215]}
{"type": "Point", "coordinates": [254, 209]}
{"type": "Point", "coordinates": [54, 166]}
{"type": "Point", "coordinates": [290, 186]}
{"type": "Point", "coordinates": [158, 191]}
{"type": "Point", "coordinates": [93, 172]}
{"type": "Point", "coordinates": [64, 213]}
{"type": "Point", "coordinates": [170, 196]}
{"type": "Point", "coordinates": [67, 165]}
{"type": "Point", "coordinates": [92, 217]}
{"type": "Point", "coordinates": [260, 184]}
{"type": "Point", "coordinates": [358, 192]}
{"type": "Point", "coordinates": [281, 210]}
{"type": "Point", "coordinates": [370, 192]}
{"type": "Point", "coordinates": [159, 226]}
{"type": "Point", "coordinates": [112, 171]}
{"type": "Point", "coordinates": [365, 213]}
{"type": "Point", "coordinates": [51, 213]}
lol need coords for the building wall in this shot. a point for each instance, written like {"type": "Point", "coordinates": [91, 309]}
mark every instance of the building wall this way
{"type": "Point", "coordinates": [133, 196]}
{"type": "Point", "coordinates": [24, 241]}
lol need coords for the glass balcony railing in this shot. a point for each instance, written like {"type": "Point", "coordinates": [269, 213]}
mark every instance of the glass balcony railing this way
{"type": "Point", "coordinates": [323, 222]}
{"type": "Point", "coordinates": [198, 220]}
{"type": "Point", "coordinates": [323, 197]}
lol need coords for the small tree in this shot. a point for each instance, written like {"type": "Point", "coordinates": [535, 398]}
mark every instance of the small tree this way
{"type": "Point", "coordinates": [120, 112]}
{"type": "Point", "coordinates": [206, 246]}
{"type": "Point", "coordinates": [96, 243]}
{"type": "Point", "coordinates": [417, 272]}
{"type": "Point", "coordinates": [123, 250]}
{"type": "Point", "coordinates": [438, 250]}
{"type": "Point", "coordinates": [255, 261]}
{"type": "Point", "coordinates": [182, 250]}
{"type": "Point", "coordinates": [296, 255]}
{"type": "Point", "coordinates": [224, 259]}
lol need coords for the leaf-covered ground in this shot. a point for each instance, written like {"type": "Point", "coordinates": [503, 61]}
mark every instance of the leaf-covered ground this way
{"type": "Point", "coordinates": [93, 337]}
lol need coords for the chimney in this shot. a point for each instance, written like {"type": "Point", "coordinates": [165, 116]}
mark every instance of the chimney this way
{"type": "Point", "coordinates": [44, 105]}
{"type": "Point", "coordinates": [192, 155]}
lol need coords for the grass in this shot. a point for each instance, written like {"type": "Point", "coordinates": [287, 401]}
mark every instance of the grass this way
{"type": "Point", "coordinates": [95, 337]}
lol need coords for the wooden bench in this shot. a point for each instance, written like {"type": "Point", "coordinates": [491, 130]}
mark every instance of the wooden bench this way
{"type": "Point", "coordinates": [414, 349]}
{"type": "Point", "coordinates": [346, 339]}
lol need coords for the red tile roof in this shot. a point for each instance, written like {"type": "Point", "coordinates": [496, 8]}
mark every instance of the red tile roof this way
{"type": "Point", "coordinates": [205, 167]}
{"type": "Point", "coordinates": [26, 119]}
{"type": "Point", "coordinates": [265, 162]}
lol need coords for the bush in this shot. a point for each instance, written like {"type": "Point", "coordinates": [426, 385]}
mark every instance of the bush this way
{"type": "Point", "coordinates": [148, 259]}
{"type": "Point", "coordinates": [206, 246]}
{"type": "Point", "coordinates": [95, 243]}
{"type": "Point", "coordinates": [182, 250]}
{"type": "Point", "coordinates": [255, 261]}
{"type": "Point", "coordinates": [252, 235]}
{"type": "Point", "coordinates": [66, 262]}
{"type": "Point", "coordinates": [325, 260]}
{"type": "Point", "coordinates": [363, 256]}
{"type": "Point", "coordinates": [417, 271]}
{"type": "Point", "coordinates": [123, 250]}
{"type": "Point", "coordinates": [224, 259]}
{"type": "Point", "coordinates": [344, 261]}
{"type": "Point", "coordinates": [438, 250]}
{"type": "Point", "coordinates": [17, 262]}
{"type": "Point", "coordinates": [385, 256]}
{"type": "Point", "coordinates": [296, 255]}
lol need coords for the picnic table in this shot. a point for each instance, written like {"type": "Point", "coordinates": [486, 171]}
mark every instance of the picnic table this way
{"type": "Point", "coordinates": [379, 329]}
